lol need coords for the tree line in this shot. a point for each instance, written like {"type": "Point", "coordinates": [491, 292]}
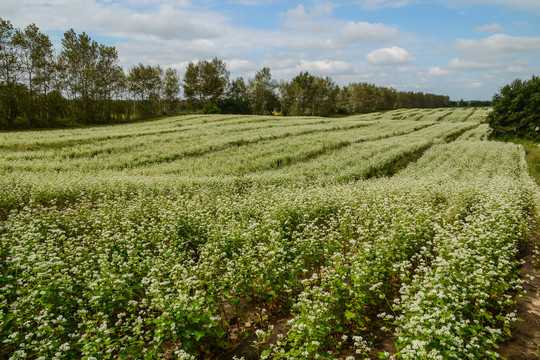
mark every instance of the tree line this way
{"type": "Point", "coordinates": [84, 84]}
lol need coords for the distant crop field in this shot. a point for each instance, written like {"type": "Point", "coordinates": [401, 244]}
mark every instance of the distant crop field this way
{"type": "Point", "coordinates": [289, 237]}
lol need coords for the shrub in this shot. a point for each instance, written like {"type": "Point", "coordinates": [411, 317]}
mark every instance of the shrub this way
{"type": "Point", "coordinates": [515, 111]}
{"type": "Point", "coordinates": [211, 108]}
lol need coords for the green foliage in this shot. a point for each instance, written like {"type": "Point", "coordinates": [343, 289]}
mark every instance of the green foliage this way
{"type": "Point", "coordinates": [309, 95]}
{"type": "Point", "coordinates": [262, 93]}
{"type": "Point", "coordinates": [211, 108]}
{"type": "Point", "coordinates": [236, 100]}
{"type": "Point", "coordinates": [515, 111]}
{"type": "Point", "coordinates": [205, 82]}
{"type": "Point", "coordinates": [145, 84]}
{"type": "Point", "coordinates": [171, 89]}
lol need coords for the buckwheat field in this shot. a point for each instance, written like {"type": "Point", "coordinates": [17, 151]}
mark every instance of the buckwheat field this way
{"type": "Point", "coordinates": [306, 237]}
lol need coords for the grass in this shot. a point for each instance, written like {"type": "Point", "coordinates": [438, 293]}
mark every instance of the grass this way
{"type": "Point", "coordinates": [532, 156]}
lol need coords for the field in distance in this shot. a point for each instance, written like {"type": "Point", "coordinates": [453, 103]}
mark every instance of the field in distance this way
{"type": "Point", "coordinates": [208, 236]}
{"type": "Point", "coordinates": [220, 149]}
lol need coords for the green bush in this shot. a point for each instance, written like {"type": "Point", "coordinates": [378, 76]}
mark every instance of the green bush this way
{"type": "Point", "coordinates": [516, 110]}
{"type": "Point", "coordinates": [211, 108]}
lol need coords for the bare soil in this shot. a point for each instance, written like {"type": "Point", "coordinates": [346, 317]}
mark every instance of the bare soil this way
{"type": "Point", "coordinates": [246, 349]}
{"type": "Point", "coordinates": [524, 344]}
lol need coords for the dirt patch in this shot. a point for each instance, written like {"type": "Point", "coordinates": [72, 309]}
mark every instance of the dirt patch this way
{"type": "Point", "coordinates": [525, 341]}
{"type": "Point", "coordinates": [383, 342]}
{"type": "Point", "coordinates": [246, 349]}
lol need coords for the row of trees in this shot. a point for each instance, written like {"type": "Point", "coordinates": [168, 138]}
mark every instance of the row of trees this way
{"type": "Point", "coordinates": [85, 84]}
{"type": "Point", "coordinates": [207, 82]}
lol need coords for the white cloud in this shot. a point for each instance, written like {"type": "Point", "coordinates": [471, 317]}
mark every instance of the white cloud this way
{"type": "Point", "coordinates": [364, 31]}
{"type": "Point", "coordinates": [340, 35]}
{"type": "Point", "coordinates": [326, 67]}
{"type": "Point", "coordinates": [476, 84]}
{"type": "Point", "coordinates": [524, 5]}
{"type": "Point", "coordinates": [380, 4]}
{"type": "Point", "coordinates": [389, 56]}
{"type": "Point", "coordinates": [408, 69]}
{"type": "Point", "coordinates": [497, 52]}
{"type": "Point", "coordinates": [288, 67]}
{"type": "Point", "coordinates": [249, 2]}
{"type": "Point", "coordinates": [437, 71]}
{"type": "Point", "coordinates": [460, 64]}
{"type": "Point", "coordinates": [316, 29]}
{"type": "Point", "coordinates": [167, 23]}
{"type": "Point", "coordinates": [8, 7]}
{"type": "Point", "coordinates": [235, 65]}
{"type": "Point", "coordinates": [169, 53]}
{"type": "Point", "coordinates": [166, 20]}
{"type": "Point", "coordinates": [500, 45]}
{"type": "Point", "coordinates": [513, 69]}
{"type": "Point", "coordinates": [314, 20]}
{"type": "Point", "coordinates": [310, 43]}
{"type": "Point", "coordinates": [489, 28]}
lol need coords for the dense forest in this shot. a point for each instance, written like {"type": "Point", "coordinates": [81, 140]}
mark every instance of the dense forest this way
{"type": "Point", "coordinates": [83, 83]}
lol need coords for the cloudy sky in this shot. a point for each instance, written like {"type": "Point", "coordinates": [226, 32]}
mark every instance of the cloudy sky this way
{"type": "Point", "coordinates": [461, 48]}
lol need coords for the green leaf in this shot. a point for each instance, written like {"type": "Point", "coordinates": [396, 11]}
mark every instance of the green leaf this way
{"type": "Point", "coordinates": [198, 334]}
{"type": "Point", "coordinates": [220, 332]}
{"type": "Point", "coordinates": [349, 315]}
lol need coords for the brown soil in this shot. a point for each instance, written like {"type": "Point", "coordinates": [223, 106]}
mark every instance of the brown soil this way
{"type": "Point", "coordinates": [525, 341]}
{"type": "Point", "coordinates": [383, 342]}
{"type": "Point", "coordinates": [246, 349]}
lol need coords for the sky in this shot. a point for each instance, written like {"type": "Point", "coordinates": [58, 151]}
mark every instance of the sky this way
{"type": "Point", "coordinates": [466, 49]}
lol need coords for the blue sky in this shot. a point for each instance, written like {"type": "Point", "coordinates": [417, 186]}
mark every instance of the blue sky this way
{"type": "Point", "coordinates": [461, 48]}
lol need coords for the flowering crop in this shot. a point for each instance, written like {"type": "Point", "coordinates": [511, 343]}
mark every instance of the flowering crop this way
{"type": "Point", "coordinates": [265, 218]}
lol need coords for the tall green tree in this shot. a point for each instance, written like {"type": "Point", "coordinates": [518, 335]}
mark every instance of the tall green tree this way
{"type": "Point", "coordinates": [262, 93]}
{"type": "Point", "coordinates": [171, 89]}
{"type": "Point", "coordinates": [91, 75]}
{"type": "Point", "coordinates": [307, 94]}
{"type": "Point", "coordinates": [145, 84]}
{"type": "Point", "coordinates": [9, 71]}
{"type": "Point", "coordinates": [109, 83]}
{"type": "Point", "coordinates": [215, 79]}
{"type": "Point", "coordinates": [78, 58]}
{"type": "Point", "coordinates": [236, 100]}
{"type": "Point", "coordinates": [205, 82]}
{"type": "Point", "coordinates": [192, 86]}
{"type": "Point", "coordinates": [36, 58]}
{"type": "Point", "coordinates": [297, 95]}
{"type": "Point", "coordinates": [324, 97]}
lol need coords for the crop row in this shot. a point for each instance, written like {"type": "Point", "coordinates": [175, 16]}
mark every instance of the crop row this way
{"type": "Point", "coordinates": [322, 157]}
{"type": "Point", "coordinates": [475, 115]}
{"type": "Point", "coordinates": [118, 152]}
{"type": "Point", "coordinates": [281, 152]}
{"type": "Point", "coordinates": [481, 132]}
{"type": "Point", "coordinates": [365, 159]}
